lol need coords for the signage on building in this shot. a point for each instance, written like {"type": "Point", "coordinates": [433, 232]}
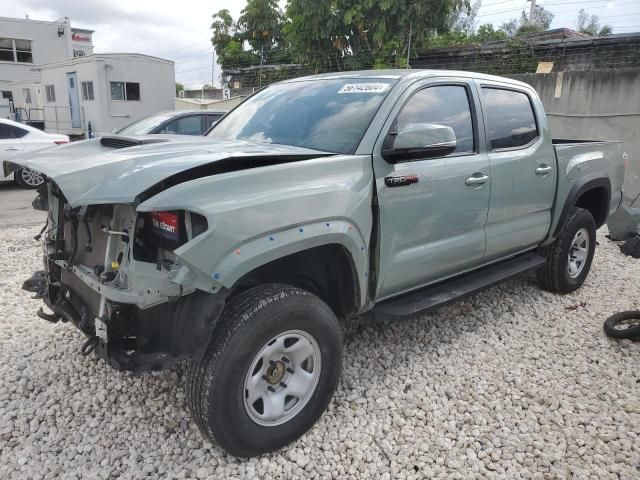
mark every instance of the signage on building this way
{"type": "Point", "coordinates": [79, 37]}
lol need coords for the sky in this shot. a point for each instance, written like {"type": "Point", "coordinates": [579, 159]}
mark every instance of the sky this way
{"type": "Point", "coordinates": [180, 30]}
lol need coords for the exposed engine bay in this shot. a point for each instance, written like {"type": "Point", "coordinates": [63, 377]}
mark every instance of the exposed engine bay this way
{"type": "Point", "coordinates": [113, 273]}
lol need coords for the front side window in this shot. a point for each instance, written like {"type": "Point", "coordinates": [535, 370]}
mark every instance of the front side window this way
{"type": "Point", "coordinates": [87, 90]}
{"type": "Point", "coordinates": [191, 125]}
{"type": "Point", "coordinates": [510, 120]}
{"type": "Point", "coordinates": [441, 105]}
{"type": "Point", "coordinates": [50, 93]}
{"type": "Point", "coordinates": [14, 50]}
{"type": "Point", "coordinates": [330, 115]}
{"type": "Point", "coordinates": [127, 91]}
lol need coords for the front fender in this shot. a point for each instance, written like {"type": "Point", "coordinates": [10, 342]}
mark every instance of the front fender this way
{"type": "Point", "coordinates": [260, 215]}
{"type": "Point", "coordinates": [271, 246]}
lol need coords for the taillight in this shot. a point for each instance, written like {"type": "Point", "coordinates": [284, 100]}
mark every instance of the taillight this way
{"type": "Point", "coordinates": [60, 142]}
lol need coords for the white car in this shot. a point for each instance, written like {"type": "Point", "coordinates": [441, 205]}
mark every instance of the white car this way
{"type": "Point", "coordinates": [19, 139]}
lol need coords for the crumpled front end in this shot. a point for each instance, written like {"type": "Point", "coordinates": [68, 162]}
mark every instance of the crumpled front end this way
{"type": "Point", "coordinates": [111, 271]}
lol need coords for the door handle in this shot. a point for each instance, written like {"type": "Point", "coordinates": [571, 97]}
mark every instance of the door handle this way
{"type": "Point", "coordinates": [474, 181]}
{"type": "Point", "coordinates": [12, 149]}
{"type": "Point", "coordinates": [543, 170]}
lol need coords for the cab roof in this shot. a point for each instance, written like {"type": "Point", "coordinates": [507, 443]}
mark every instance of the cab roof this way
{"type": "Point", "coordinates": [406, 74]}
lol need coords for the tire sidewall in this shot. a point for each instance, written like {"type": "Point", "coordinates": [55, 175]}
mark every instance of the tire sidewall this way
{"type": "Point", "coordinates": [236, 430]}
{"type": "Point", "coordinates": [582, 219]}
{"type": "Point", "coordinates": [630, 333]}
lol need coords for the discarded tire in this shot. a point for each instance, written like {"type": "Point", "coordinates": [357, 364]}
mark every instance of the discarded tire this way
{"type": "Point", "coordinates": [623, 325]}
{"type": "Point", "coordinates": [631, 247]}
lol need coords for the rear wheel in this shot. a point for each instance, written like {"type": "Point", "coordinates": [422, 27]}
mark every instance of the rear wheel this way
{"type": "Point", "coordinates": [269, 372]}
{"type": "Point", "coordinates": [27, 178]}
{"type": "Point", "coordinates": [569, 257]}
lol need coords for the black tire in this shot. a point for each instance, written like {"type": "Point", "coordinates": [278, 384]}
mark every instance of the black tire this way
{"type": "Point", "coordinates": [216, 384]}
{"type": "Point", "coordinates": [554, 275]}
{"type": "Point", "coordinates": [623, 325]}
{"type": "Point", "coordinates": [19, 177]}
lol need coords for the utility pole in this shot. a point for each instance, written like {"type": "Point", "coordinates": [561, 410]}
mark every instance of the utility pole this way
{"type": "Point", "coordinates": [533, 9]}
{"type": "Point", "coordinates": [213, 65]}
{"type": "Point", "coordinates": [409, 46]}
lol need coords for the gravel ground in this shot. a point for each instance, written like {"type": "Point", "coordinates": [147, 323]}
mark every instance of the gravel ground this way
{"type": "Point", "coordinates": [514, 383]}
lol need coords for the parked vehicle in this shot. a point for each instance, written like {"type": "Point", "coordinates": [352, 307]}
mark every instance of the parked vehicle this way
{"type": "Point", "coordinates": [18, 139]}
{"type": "Point", "coordinates": [189, 122]}
{"type": "Point", "coordinates": [379, 193]}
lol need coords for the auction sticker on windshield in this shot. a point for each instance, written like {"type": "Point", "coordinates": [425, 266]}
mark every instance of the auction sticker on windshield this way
{"type": "Point", "coordinates": [364, 88]}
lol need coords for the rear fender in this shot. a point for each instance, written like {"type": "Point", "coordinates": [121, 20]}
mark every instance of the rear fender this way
{"type": "Point", "coordinates": [580, 187]}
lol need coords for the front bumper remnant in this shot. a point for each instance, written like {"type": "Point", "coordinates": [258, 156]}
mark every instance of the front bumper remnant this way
{"type": "Point", "coordinates": [134, 339]}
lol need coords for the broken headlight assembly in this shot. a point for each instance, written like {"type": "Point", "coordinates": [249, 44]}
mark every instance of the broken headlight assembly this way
{"type": "Point", "coordinates": [159, 233]}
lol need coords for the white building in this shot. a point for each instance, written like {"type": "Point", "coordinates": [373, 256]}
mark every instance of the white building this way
{"type": "Point", "coordinates": [106, 90]}
{"type": "Point", "coordinates": [48, 72]}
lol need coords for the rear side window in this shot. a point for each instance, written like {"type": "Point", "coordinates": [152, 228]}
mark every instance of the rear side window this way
{"type": "Point", "coordinates": [509, 117]}
{"type": "Point", "coordinates": [191, 125]}
{"type": "Point", "coordinates": [443, 105]}
{"type": "Point", "coordinates": [9, 131]}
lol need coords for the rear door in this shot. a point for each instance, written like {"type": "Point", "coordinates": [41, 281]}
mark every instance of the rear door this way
{"type": "Point", "coordinates": [523, 169]}
{"type": "Point", "coordinates": [432, 227]}
{"type": "Point", "coordinates": [11, 143]}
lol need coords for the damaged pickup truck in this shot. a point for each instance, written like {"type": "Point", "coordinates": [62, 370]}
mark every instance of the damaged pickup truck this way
{"type": "Point", "coordinates": [381, 193]}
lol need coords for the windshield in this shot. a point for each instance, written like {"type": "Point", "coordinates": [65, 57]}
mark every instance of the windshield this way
{"type": "Point", "coordinates": [146, 124]}
{"type": "Point", "coordinates": [329, 115]}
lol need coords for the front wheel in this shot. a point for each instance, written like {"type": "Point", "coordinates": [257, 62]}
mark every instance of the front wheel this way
{"type": "Point", "coordinates": [568, 259]}
{"type": "Point", "coordinates": [27, 178]}
{"type": "Point", "coordinates": [269, 372]}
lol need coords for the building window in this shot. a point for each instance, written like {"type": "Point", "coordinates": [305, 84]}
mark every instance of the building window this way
{"type": "Point", "coordinates": [87, 90]}
{"type": "Point", "coordinates": [50, 93]}
{"type": "Point", "coordinates": [12, 50]}
{"type": "Point", "coordinates": [26, 93]}
{"type": "Point", "coordinates": [127, 91]}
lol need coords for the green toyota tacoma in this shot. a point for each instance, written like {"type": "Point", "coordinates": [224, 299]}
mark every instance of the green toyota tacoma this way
{"type": "Point", "coordinates": [382, 194]}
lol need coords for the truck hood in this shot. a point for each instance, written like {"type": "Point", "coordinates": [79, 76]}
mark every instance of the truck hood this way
{"type": "Point", "coordinates": [93, 172]}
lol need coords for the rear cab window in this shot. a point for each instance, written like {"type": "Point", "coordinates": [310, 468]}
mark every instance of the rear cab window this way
{"type": "Point", "coordinates": [509, 118]}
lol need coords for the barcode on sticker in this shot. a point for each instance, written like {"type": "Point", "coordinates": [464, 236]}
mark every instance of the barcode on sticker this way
{"type": "Point", "coordinates": [364, 88]}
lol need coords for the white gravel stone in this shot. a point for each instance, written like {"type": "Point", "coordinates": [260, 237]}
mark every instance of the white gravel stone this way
{"type": "Point", "coordinates": [507, 384]}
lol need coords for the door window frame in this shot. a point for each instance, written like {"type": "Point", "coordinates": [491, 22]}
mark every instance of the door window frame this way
{"type": "Point", "coordinates": [497, 86]}
{"type": "Point", "coordinates": [472, 108]}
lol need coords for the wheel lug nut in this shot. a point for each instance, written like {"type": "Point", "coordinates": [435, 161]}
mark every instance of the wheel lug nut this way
{"type": "Point", "coordinates": [289, 369]}
{"type": "Point", "coordinates": [283, 385]}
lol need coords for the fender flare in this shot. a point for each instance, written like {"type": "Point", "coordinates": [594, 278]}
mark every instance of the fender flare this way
{"type": "Point", "coordinates": [269, 247]}
{"type": "Point", "coordinates": [583, 185]}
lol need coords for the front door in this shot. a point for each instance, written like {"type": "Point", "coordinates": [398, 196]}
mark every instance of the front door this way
{"type": "Point", "coordinates": [434, 226]}
{"type": "Point", "coordinates": [74, 102]}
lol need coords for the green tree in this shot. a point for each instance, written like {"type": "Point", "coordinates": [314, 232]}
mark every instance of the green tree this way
{"type": "Point", "coordinates": [539, 21]}
{"type": "Point", "coordinates": [590, 24]}
{"type": "Point", "coordinates": [179, 88]}
{"type": "Point", "coordinates": [486, 33]}
{"type": "Point", "coordinates": [369, 33]}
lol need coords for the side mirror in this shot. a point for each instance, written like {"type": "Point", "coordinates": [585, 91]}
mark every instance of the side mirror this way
{"type": "Point", "coordinates": [419, 140]}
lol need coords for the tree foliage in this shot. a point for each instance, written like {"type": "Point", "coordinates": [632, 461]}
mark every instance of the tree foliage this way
{"type": "Point", "coordinates": [335, 33]}
{"type": "Point", "coordinates": [590, 24]}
